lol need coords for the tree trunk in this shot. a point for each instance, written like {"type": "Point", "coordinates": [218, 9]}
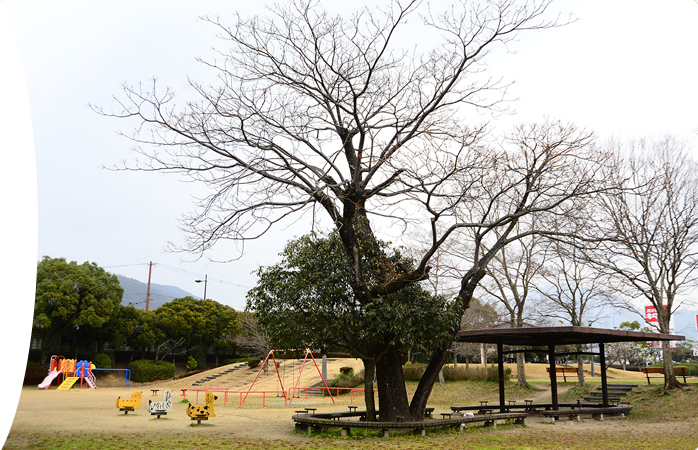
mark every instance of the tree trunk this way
{"type": "Point", "coordinates": [392, 396]}
{"type": "Point", "coordinates": [369, 395]}
{"type": "Point", "coordinates": [426, 384]}
{"type": "Point", "coordinates": [580, 367]}
{"type": "Point", "coordinates": [670, 381]}
{"type": "Point", "coordinates": [521, 370]}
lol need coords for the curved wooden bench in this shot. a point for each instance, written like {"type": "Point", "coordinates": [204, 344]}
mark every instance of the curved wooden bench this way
{"type": "Point", "coordinates": [596, 412]}
{"type": "Point", "coordinates": [320, 422]}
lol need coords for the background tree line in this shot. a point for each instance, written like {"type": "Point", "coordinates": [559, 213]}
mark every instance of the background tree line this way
{"type": "Point", "coordinates": [80, 304]}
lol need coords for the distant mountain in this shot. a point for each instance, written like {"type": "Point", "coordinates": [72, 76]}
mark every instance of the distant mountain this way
{"type": "Point", "coordinates": [135, 293]}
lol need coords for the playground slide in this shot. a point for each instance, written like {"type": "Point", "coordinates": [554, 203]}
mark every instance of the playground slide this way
{"type": "Point", "coordinates": [91, 382]}
{"type": "Point", "coordinates": [49, 379]}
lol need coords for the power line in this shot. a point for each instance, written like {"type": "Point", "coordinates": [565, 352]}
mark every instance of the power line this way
{"type": "Point", "coordinates": [186, 272]}
{"type": "Point", "coordinates": [199, 275]}
{"type": "Point", "coordinates": [126, 265]}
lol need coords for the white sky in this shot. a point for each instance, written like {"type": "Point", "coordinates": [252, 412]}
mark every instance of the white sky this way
{"type": "Point", "coordinates": [625, 68]}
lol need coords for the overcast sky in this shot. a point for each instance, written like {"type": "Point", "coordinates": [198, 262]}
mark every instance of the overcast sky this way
{"type": "Point", "coordinates": [625, 69]}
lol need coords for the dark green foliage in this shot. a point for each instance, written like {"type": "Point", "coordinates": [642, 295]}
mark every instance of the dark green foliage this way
{"type": "Point", "coordinates": [692, 370]}
{"type": "Point", "coordinates": [253, 362]}
{"type": "Point", "coordinates": [305, 301]}
{"type": "Point", "coordinates": [200, 358]}
{"type": "Point", "coordinates": [102, 361]}
{"type": "Point", "coordinates": [34, 374]}
{"type": "Point", "coordinates": [73, 299]}
{"type": "Point", "coordinates": [199, 322]}
{"type": "Point", "coordinates": [191, 363]}
{"type": "Point", "coordinates": [144, 370]}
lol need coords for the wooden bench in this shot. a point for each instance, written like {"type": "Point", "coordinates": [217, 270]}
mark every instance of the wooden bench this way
{"type": "Point", "coordinates": [564, 371]}
{"type": "Point", "coordinates": [321, 422]}
{"type": "Point", "coordinates": [678, 371]}
{"type": "Point", "coordinates": [596, 413]}
{"type": "Point", "coordinates": [611, 399]}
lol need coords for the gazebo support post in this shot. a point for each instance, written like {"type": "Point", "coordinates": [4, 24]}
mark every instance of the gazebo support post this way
{"type": "Point", "coordinates": [604, 384]}
{"type": "Point", "coordinates": [553, 375]}
{"type": "Point", "coordinates": [500, 368]}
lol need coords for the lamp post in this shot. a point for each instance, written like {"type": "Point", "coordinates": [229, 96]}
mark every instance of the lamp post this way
{"type": "Point", "coordinates": [205, 281]}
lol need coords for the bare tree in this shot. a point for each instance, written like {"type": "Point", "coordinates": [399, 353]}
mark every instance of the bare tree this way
{"type": "Point", "coordinates": [252, 336]}
{"type": "Point", "coordinates": [313, 110]}
{"type": "Point", "coordinates": [571, 291]}
{"type": "Point", "coordinates": [650, 232]}
{"type": "Point", "coordinates": [478, 316]}
{"type": "Point", "coordinates": [512, 273]}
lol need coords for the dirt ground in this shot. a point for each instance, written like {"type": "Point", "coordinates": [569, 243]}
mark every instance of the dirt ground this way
{"type": "Point", "coordinates": [93, 411]}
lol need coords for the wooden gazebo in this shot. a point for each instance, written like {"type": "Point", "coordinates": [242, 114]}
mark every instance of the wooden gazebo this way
{"type": "Point", "coordinates": [548, 338]}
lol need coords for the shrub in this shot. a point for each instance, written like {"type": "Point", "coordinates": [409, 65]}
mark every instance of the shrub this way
{"type": "Point", "coordinates": [347, 379]}
{"type": "Point", "coordinates": [200, 358]}
{"type": "Point", "coordinates": [474, 373]}
{"type": "Point", "coordinates": [34, 373]}
{"type": "Point", "coordinates": [191, 363]}
{"type": "Point", "coordinates": [693, 370]}
{"type": "Point", "coordinates": [253, 362]}
{"type": "Point", "coordinates": [102, 361]}
{"type": "Point", "coordinates": [234, 361]}
{"type": "Point", "coordinates": [414, 372]}
{"type": "Point", "coordinates": [144, 370]}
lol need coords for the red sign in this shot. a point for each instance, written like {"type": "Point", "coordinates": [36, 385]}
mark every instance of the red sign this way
{"type": "Point", "coordinates": [651, 314]}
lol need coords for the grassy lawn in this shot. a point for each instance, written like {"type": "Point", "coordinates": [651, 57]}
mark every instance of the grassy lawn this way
{"type": "Point", "coordinates": [657, 421]}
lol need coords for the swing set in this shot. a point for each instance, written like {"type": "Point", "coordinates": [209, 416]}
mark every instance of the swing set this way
{"type": "Point", "coordinates": [288, 397]}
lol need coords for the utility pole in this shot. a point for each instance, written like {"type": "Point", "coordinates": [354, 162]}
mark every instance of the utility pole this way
{"type": "Point", "coordinates": [147, 298]}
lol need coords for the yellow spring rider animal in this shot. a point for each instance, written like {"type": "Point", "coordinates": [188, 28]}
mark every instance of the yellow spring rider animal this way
{"type": "Point", "coordinates": [200, 413]}
{"type": "Point", "coordinates": [129, 404]}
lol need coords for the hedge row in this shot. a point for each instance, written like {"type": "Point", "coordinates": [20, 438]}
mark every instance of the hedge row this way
{"type": "Point", "coordinates": [144, 370]}
{"type": "Point", "coordinates": [414, 372]}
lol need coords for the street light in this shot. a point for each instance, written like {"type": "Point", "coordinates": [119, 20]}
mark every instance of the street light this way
{"type": "Point", "coordinates": [205, 281]}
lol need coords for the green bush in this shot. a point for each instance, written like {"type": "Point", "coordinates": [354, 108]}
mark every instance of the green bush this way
{"type": "Point", "coordinates": [102, 361]}
{"type": "Point", "coordinates": [692, 368]}
{"type": "Point", "coordinates": [474, 373]}
{"type": "Point", "coordinates": [191, 363]}
{"type": "Point", "coordinates": [234, 361]}
{"type": "Point", "coordinates": [144, 370]}
{"type": "Point", "coordinates": [200, 358]}
{"type": "Point", "coordinates": [253, 362]}
{"type": "Point", "coordinates": [347, 380]}
{"type": "Point", "coordinates": [414, 372]}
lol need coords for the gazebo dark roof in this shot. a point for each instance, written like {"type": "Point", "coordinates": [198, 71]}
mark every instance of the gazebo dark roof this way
{"type": "Point", "coordinates": [559, 336]}
{"type": "Point", "coordinates": [551, 337]}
